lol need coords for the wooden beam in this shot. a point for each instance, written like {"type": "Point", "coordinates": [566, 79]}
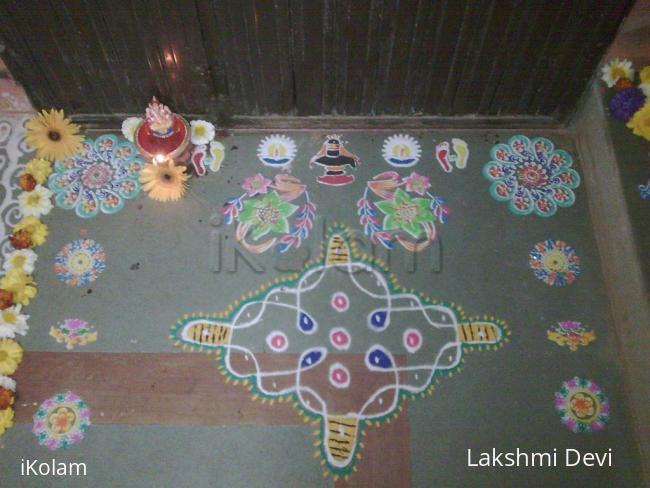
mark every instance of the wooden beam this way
{"type": "Point", "coordinates": [187, 389]}
{"type": "Point", "coordinates": [622, 269]}
{"type": "Point", "coordinates": [329, 123]}
{"type": "Point", "coordinates": [144, 388]}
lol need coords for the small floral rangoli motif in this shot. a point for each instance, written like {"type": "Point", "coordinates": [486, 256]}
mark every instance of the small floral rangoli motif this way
{"type": "Point", "coordinates": [80, 262]}
{"type": "Point", "coordinates": [265, 210]}
{"type": "Point", "coordinates": [532, 176]}
{"type": "Point", "coordinates": [555, 263]}
{"type": "Point", "coordinates": [582, 406]}
{"type": "Point", "coordinates": [74, 332]}
{"type": "Point", "coordinates": [99, 178]}
{"type": "Point", "coordinates": [571, 334]}
{"type": "Point", "coordinates": [61, 421]}
{"type": "Point", "coordinates": [407, 211]}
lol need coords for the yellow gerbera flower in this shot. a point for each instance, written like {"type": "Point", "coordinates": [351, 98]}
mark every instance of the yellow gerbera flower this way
{"type": "Point", "coordinates": [164, 182]}
{"type": "Point", "coordinates": [6, 419]}
{"type": "Point", "coordinates": [53, 135]}
{"type": "Point", "coordinates": [20, 284]}
{"type": "Point", "coordinates": [39, 168]}
{"type": "Point", "coordinates": [640, 121]}
{"type": "Point", "coordinates": [36, 228]}
{"type": "Point", "coordinates": [11, 354]}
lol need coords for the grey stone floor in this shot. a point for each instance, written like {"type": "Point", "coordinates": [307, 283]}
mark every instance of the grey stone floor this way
{"type": "Point", "coordinates": [502, 399]}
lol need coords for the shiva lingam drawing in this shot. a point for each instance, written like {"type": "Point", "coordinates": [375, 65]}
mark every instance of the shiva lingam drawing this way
{"type": "Point", "coordinates": [163, 135]}
{"type": "Point", "coordinates": [334, 158]}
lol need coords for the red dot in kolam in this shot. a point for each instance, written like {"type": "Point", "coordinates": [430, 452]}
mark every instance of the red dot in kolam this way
{"type": "Point", "coordinates": [340, 301]}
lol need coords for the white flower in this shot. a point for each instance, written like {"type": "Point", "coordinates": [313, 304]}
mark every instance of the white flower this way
{"type": "Point", "coordinates": [36, 202]}
{"type": "Point", "coordinates": [617, 69]}
{"type": "Point", "coordinates": [13, 322]}
{"type": "Point", "coordinates": [8, 383]}
{"type": "Point", "coordinates": [23, 259]}
{"type": "Point", "coordinates": [202, 132]}
{"type": "Point", "coordinates": [129, 125]}
{"type": "Point", "coordinates": [645, 88]}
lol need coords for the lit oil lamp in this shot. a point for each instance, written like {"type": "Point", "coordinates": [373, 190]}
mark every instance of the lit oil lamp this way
{"type": "Point", "coordinates": [163, 135]}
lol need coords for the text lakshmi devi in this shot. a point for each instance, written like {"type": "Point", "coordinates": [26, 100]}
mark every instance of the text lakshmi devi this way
{"type": "Point", "coordinates": [556, 458]}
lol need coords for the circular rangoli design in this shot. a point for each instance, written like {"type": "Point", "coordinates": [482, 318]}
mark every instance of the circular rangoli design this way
{"type": "Point", "coordinates": [101, 177]}
{"type": "Point", "coordinates": [582, 405]}
{"type": "Point", "coordinates": [555, 262]}
{"type": "Point", "coordinates": [61, 421]}
{"type": "Point", "coordinates": [80, 262]}
{"type": "Point", "coordinates": [532, 176]}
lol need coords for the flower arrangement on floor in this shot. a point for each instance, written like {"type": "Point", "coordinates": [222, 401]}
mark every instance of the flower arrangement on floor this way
{"type": "Point", "coordinates": [170, 144]}
{"type": "Point", "coordinates": [52, 136]}
{"type": "Point", "coordinates": [630, 102]}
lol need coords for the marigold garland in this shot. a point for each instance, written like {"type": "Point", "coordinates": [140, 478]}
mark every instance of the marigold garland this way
{"type": "Point", "coordinates": [11, 354]}
{"type": "Point", "coordinates": [39, 169]}
{"type": "Point", "coordinates": [21, 285]}
{"type": "Point", "coordinates": [30, 230]}
{"type": "Point", "coordinates": [26, 182]}
{"type": "Point", "coordinates": [6, 299]}
{"type": "Point", "coordinates": [7, 392]}
{"type": "Point", "coordinates": [6, 419]}
{"type": "Point", "coordinates": [13, 322]}
{"type": "Point", "coordinates": [54, 137]}
{"type": "Point", "coordinates": [23, 259]}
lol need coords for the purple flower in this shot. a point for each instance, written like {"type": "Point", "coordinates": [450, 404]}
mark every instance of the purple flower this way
{"type": "Point", "coordinates": [71, 397]}
{"type": "Point", "coordinates": [52, 444]}
{"type": "Point", "coordinates": [570, 325]}
{"type": "Point", "coordinates": [75, 324]}
{"type": "Point", "coordinates": [625, 103]}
